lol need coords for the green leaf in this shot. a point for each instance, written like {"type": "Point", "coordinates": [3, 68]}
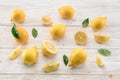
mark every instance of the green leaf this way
{"type": "Point", "coordinates": [104, 52]}
{"type": "Point", "coordinates": [34, 33]}
{"type": "Point", "coordinates": [65, 59]}
{"type": "Point", "coordinates": [85, 23]}
{"type": "Point", "coordinates": [14, 31]}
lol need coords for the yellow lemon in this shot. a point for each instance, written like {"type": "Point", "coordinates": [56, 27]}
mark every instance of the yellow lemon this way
{"type": "Point", "coordinates": [101, 38]}
{"type": "Point", "coordinates": [18, 15]}
{"type": "Point", "coordinates": [23, 35]}
{"type": "Point", "coordinates": [15, 53]}
{"type": "Point", "coordinates": [46, 20]}
{"type": "Point", "coordinates": [57, 31]}
{"type": "Point", "coordinates": [48, 48]}
{"type": "Point", "coordinates": [51, 67]}
{"type": "Point", "coordinates": [99, 23]}
{"type": "Point", "coordinates": [80, 37]}
{"type": "Point", "coordinates": [66, 11]}
{"type": "Point", "coordinates": [99, 61]}
{"type": "Point", "coordinates": [77, 57]}
{"type": "Point", "coordinates": [30, 55]}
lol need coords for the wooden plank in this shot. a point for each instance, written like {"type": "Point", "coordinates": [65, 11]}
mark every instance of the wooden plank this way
{"type": "Point", "coordinates": [83, 10]}
{"type": "Point", "coordinates": [66, 42]}
{"type": "Point", "coordinates": [90, 67]}
{"type": "Point", "coordinates": [58, 77]}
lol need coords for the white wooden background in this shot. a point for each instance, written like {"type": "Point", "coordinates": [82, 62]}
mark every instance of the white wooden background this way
{"type": "Point", "coordinates": [16, 70]}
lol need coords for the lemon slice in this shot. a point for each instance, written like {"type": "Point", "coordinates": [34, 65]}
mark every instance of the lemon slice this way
{"type": "Point", "coordinates": [51, 67]}
{"type": "Point", "coordinates": [101, 38]}
{"type": "Point", "coordinates": [46, 20]}
{"type": "Point", "coordinates": [48, 48]}
{"type": "Point", "coordinates": [99, 61]}
{"type": "Point", "coordinates": [80, 37]}
{"type": "Point", "coordinates": [15, 53]}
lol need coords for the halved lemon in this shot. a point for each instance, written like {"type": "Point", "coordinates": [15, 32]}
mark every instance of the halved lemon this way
{"type": "Point", "coordinates": [80, 37]}
{"type": "Point", "coordinates": [46, 20]}
{"type": "Point", "coordinates": [101, 38]}
{"type": "Point", "coordinates": [48, 48]}
{"type": "Point", "coordinates": [99, 61]}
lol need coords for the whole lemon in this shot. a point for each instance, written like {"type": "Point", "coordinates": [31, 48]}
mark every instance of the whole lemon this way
{"type": "Point", "coordinates": [57, 31]}
{"type": "Point", "coordinates": [99, 23]}
{"type": "Point", "coordinates": [66, 11]}
{"type": "Point", "coordinates": [18, 15]}
{"type": "Point", "coordinates": [23, 35]}
{"type": "Point", "coordinates": [77, 57]}
{"type": "Point", "coordinates": [30, 55]}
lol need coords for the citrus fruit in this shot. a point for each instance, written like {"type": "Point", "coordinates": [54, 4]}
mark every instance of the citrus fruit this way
{"type": "Point", "coordinates": [66, 11]}
{"type": "Point", "coordinates": [15, 53]}
{"type": "Point", "coordinates": [48, 48]}
{"type": "Point", "coordinates": [23, 35]}
{"type": "Point", "coordinates": [46, 20]}
{"type": "Point", "coordinates": [80, 37]}
{"type": "Point", "coordinates": [30, 55]}
{"type": "Point", "coordinates": [18, 15]}
{"type": "Point", "coordinates": [99, 61]}
{"type": "Point", "coordinates": [77, 57]}
{"type": "Point", "coordinates": [101, 38]}
{"type": "Point", "coordinates": [51, 67]}
{"type": "Point", "coordinates": [57, 31]}
{"type": "Point", "coordinates": [99, 23]}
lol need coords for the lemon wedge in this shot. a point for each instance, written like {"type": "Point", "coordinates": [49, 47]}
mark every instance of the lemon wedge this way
{"type": "Point", "coordinates": [101, 38]}
{"type": "Point", "coordinates": [15, 53]}
{"type": "Point", "coordinates": [51, 67]}
{"type": "Point", "coordinates": [99, 61]}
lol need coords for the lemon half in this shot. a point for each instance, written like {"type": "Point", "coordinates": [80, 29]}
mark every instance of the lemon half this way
{"type": "Point", "coordinates": [48, 48]}
{"type": "Point", "coordinates": [46, 20]}
{"type": "Point", "coordinates": [80, 37]}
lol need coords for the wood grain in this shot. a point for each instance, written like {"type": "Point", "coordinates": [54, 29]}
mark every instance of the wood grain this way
{"type": "Point", "coordinates": [35, 9]}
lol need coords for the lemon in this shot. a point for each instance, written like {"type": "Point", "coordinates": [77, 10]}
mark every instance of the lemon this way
{"type": "Point", "coordinates": [99, 61]}
{"type": "Point", "coordinates": [80, 37]}
{"type": "Point", "coordinates": [57, 31]}
{"type": "Point", "coordinates": [30, 55]}
{"type": "Point", "coordinates": [23, 35]}
{"type": "Point", "coordinates": [18, 15]}
{"type": "Point", "coordinates": [99, 23]}
{"type": "Point", "coordinates": [48, 48]}
{"type": "Point", "coordinates": [15, 53]}
{"type": "Point", "coordinates": [66, 11]}
{"type": "Point", "coordinates": [101, 38]}
{"type": "Point", "coordinates": [51, 67]}
{"type": "Point", "coordinates": [46, 20]}
{"type": "Point", "coordinates": [77, 57]}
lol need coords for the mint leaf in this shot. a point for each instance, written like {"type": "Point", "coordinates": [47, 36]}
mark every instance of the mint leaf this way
{"type": "Point", "coordinates": [85, 23]}
{"type": "Point", "coordinates": [104, 52]}
{"type": "Point", "coordinates": [65, 59]}
{"type": "Point", "coordinates": [14, 31]}
{"type": "Point", "coordinates": [34, 33]}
